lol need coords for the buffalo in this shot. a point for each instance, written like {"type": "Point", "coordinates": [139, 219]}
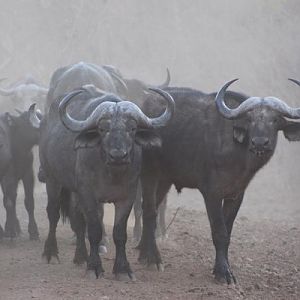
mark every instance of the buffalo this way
{"type": "Point", "coordinates": [216, 147]}
{"type": "Point", "coordinates": [18, 136]}
{"type": "Point", "coordinates": [107, 78]}
{"type": "Point", "coordinates": [23, 93]}
{"type": "Point", "coordinates": [96, 156]}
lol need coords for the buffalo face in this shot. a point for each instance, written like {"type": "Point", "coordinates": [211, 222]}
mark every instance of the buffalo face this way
{"type": "Point", "coordinates": [258, 120]}
{"type": "Point", "coordinates": [116, 125]}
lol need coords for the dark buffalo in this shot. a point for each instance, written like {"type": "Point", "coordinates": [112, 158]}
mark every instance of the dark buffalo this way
{"type": "Point", "coordinates": [68, 78]}
{"type": "Point", "coordinates": [97, 157]}
{"type": "Point", "coordinates": [23, 93]}
{"type": "Point", "coordinates": [217, 150]}
{"type": "Point", "coordinates": [18, 136]}
{"type": "Point", "coordinates": [136, 90]}
{"type": "Point", "coordinates": [107, 78]}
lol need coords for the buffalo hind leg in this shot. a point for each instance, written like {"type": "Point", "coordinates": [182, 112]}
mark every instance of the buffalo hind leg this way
{"type": "Point", "coordinates": [161, 230]}
{"type": "Point", "coordinates": [230, 210]}
{"type": "Point", "coordinates": [152, 198]}
{"type": "Point", "coordinates": [138, 211]}
{"type": "Point", "coordinates": [220, 238]}
{"type": "Point", "coordinates": [28, 183]}
{"type": "Point", "coordinates": [121, 267]}
{"type": "Point", "coordinates": [78, 225]}
{"type": "Point", "coordinates": [9, 187]}
{"type": "Point", "coordinates": [54, 197]}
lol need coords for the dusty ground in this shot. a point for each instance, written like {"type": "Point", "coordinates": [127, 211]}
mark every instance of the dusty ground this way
{"type": "Point", "coordinates": [265, 258]}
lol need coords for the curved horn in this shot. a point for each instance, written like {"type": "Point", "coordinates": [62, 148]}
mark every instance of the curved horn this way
{"type": "Point", "coordinates": [69, 122]}
{"type": "Point", "coordinates": [6, 92]}
{"type": "Point", "coordinates": [91, 121]}
{"type": "Point", "coordinates": [165, 117]}
{"type": "Point", "coordinates": [220, 103]}
{"type": "Point", "coordinates": [252, 102]}
{"type": "Point", "coordinates": [234, 113]}
{"type": "Point", "coordinates": [167, 81]}
{"type": "Point", "coordinates": [295, 81]}
{"type": "Point", "coordinates": [34, 119]}
{"type": "Point", "coordinates": [120, 80]}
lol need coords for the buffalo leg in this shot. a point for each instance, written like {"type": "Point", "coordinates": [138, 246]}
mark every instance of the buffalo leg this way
{"type": "Point", "coordinates": [121, 266]}
{"type": "Point", "coordinates": [152, 198]}
{"type": "Point", "coordinates": [161, 230]}
{"type": "Point", "coordinates": [54, 195]}
{"type": "Point", "coordinates": [220, 238]}
{"type": "Point", "coordinates": [138, 211]}
{"type": "Point", "coordinates": [28, 183]}
{"type": "Point", "coordinates": [104, 240]}
{"type": "Point", "coordinates": [9, 187]}
{"type": "Point", "coordinates": [88, 202]}
{"type": "Point", "coordinates": [78, 225]}
{"type": "Point", "coordinates": [230, 210]}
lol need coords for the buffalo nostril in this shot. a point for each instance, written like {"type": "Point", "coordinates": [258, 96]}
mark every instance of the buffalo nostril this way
{"type": "Point", "coordinates": [260, 141]}
{"type": "Point", "coordinates": [117, 154]}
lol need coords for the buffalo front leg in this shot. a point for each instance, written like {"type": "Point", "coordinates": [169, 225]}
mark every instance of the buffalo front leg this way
{"type": "Point", "coordinates": [220, 238]}
{"type": "Point", "coordinates": [53, 207]}
{"type": "Point", "coordinates": [9, 187]}
{"type": "Point", "coordinates": [230, 210]}
{"type": "Point", "coordinates": [28, 183]}
{"type": "Point", "coordinates": [104, 240]}
{"type": "Point", "coordinates": [88, 202]}
{"type": "Point", "coordinates": [122, 268]}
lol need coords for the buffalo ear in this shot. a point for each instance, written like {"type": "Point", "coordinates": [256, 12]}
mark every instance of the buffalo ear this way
{"type": "Point", "coordinates": [87, 139]}
{"type": "Point", "coordinates": [9, 119]}
{"type": "Point", "coordinates": [291, 131]}
{"type": "Point", "coordinates": [147, 139]}
{"type": "Point", "coordinates": [239, 134]}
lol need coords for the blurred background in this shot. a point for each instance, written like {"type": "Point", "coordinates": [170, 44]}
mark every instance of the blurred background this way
{"type": "Point", "coordinates": [203, 43]}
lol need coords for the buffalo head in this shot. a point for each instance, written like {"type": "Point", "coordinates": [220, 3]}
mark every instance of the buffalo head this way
{"type": "Point", "coordinates": [26, 92]}
{"type": "Point", "coordinates": [116, 125]}
{"type": "Point", "coordinates": [257, 121]}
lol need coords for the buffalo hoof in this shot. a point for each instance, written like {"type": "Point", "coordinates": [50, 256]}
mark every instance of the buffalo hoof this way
{"type": "Point", "coordinates": [50, 250]}
{"type": "Point", "coordinates": [156, 267]}
{"type": "Point", "coordinates": [95, 266]}
{"type": "Point", "coordinates": [53, 260]}
{"type": "Point", "coordinates": [125, 277]}
{"type": "Point", "coordinates": [223, 274]}
{"type": "Point", "coordinates": [80, 256]}
{"type": "Point", "coordinates": [90, 274]}
{"type": "Point", "coordinates": [150, 256]}
{"type": "Point", "coordinates": [33, 232]}
{"type": "Point", "coordinates": [12, 229]}
{"type": "Point", "coordinates": [102, 249]}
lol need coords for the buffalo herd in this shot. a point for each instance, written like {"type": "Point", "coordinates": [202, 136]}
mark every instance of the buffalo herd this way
{"type": "Point", "coordinates": [104, 138]}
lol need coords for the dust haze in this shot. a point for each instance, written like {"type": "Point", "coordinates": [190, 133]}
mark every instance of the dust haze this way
{"type": "Point", "coordinates": [203, 43]}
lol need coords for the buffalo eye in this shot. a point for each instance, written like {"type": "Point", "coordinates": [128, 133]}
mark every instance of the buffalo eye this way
{"type": "Point", "coordinates": [102, 130]}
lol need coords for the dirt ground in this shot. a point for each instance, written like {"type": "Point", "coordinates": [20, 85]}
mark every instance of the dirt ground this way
{"type": "Point", "coordinates": [264, 254]}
